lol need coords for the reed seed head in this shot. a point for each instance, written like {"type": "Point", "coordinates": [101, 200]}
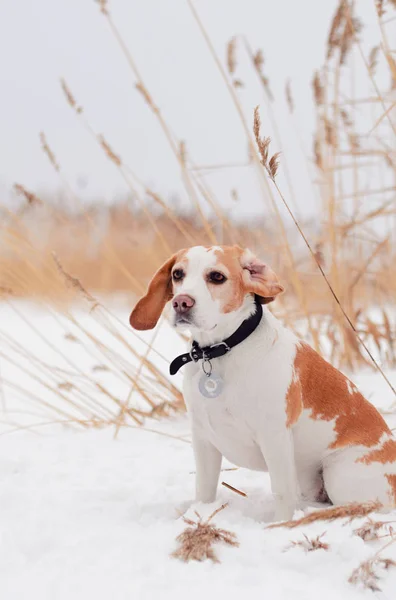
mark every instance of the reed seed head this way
{"type": "Point", "coordinates": [258, 60]}
{"type": "Point", "coordinates": [318, 89]}
{"type": "Point", "coordinates": [343, 30]}
{"type": "Point", "coordinates": [270, 164]}
{"type": "Point", "coordinates": [69, 97]}
{"type": "Point", "coordinates": [379, 5]}
{"type": "Point", "coordinates": [231, 55]}
{"type": "Point", "coordinates": [109, 152]}
{"type": "Point", "coordinates": [330, 133]}
{"type": "Point", "coordinates": [31, 198]}
{"type": "Point", "coordinates": [274, 164]}
{"type": "Point", "coordinates": [146, 95]}
{"type": "Point", "coordinates": [103, 6]}
{"type": "Point", "coordinates": [48, 152]}
{"type": "Point", "coordinates": [373, 59]}
{"type": "Point", "coordinates": [289, 96]}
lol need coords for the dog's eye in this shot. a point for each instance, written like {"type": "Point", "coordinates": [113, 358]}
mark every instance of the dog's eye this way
{"type": "Point", "coordinates": [217, 277]}
{"type": "Point", "coordinates": [178, 274]}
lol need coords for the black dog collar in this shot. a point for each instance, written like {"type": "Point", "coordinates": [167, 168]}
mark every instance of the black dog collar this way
{"type": "Point", "coordinates": [197, 353]}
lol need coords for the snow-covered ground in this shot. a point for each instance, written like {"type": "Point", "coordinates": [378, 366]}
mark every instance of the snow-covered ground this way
{"type": "Point", "coordinates": [84, 515]}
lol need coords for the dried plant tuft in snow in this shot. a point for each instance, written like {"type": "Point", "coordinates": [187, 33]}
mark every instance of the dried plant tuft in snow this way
{"type": "Point", "coordinates": [310, 544]}
{"type": "Point", "coordinates": [368, 572]}
{"type": "Point", "coordinates": [196, 541]}
{"type": "Point", "coordinates": [371, 530]}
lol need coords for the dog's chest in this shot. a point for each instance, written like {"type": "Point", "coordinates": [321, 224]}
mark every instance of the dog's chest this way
{"type": "Point", "coordinates": [254, 383]}
{"type": "Point", "coordinates": [226, 422]}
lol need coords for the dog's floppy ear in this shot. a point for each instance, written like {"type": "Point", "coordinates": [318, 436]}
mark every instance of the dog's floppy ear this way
{"type": "Point", "coordinates": [259, 278]}
{"type": "Point", "coordinates": [149, 308]}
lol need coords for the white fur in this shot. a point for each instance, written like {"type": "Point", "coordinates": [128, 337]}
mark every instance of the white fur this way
{"type": "Point", "coordinates": [351, 387]}
{"type": "Point", "coordinates": [247, 422]}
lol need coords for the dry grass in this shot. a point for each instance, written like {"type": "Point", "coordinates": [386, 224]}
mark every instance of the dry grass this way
{"type": "Point", "coordinates": [368, 573]}
{"type": "Point", "coordinates": [234, 489]}
{"type": "Point", "coordinates": [352, 511]}
{"type": "Point", "coordinates": [310, 544]}
{"type": "Point", "coordinates": [196, 541]}
{"type": "Point", "coordinates": [374, 530]}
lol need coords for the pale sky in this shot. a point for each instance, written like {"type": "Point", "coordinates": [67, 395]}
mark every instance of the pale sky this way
{"type": "Point", "coordinates": [43, 40]}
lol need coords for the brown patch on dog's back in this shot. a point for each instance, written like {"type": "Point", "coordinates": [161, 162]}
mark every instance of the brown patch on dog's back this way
{"type": "Point", "coordinates": [329, 395]}
{"type": "Point", "coordinates": [385, 454]}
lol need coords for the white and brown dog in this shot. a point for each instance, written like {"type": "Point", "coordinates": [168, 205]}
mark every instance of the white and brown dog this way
{"type": "Point", "coordinates": [280, 406]}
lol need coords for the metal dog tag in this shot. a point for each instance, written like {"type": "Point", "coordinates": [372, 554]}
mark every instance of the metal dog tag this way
{"type": "Point", "coordinates": [211, 385]}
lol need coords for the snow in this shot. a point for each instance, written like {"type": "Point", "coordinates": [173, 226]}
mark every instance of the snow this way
{"type": "Point", "coordinates": [84, 515]}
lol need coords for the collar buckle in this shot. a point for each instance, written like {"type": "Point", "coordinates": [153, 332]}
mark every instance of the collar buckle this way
{"type": "Point", "coordinates": [194, 355]}
{"type": "Point", "coordinates": [226, 346]}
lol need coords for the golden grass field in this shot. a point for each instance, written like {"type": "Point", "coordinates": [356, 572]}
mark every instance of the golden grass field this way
{"type": "Point", "coordinates": [340, 273]}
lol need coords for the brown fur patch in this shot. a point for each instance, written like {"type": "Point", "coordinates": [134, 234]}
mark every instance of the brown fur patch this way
{"type": "Point", "coordinates": [392, 482]}
{"type": "Point", "coordinates": [294, 400]}
{"type": "Point", "coordinates": [232, 293]}
{"type": "Point", "coordinates": [149, 308]}
{"type": "Point", "coordinates": [240, 282]}
{"type": "Point", "coordinates": [385, 454]}
{"type": "Point", "coordinates": [326, 392]}
{"type": "Point", "coordinates": [181, 262]}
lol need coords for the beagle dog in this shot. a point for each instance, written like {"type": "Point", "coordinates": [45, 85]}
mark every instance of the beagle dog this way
{"type": "Point", "coordinates": [260, 396]}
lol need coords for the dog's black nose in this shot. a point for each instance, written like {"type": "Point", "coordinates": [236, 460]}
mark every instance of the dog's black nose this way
{"type": "Point", "coordinates": [183, 304]}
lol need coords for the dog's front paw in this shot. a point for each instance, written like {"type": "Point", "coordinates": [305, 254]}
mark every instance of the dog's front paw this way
{"type": "Point", "coordinates": [205, 497]}
{"type": "Point", "coordinates": [284, 512]}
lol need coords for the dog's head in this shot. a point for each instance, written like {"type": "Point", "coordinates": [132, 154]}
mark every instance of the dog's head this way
{"type": "Point", "coordinates": [205, 285]}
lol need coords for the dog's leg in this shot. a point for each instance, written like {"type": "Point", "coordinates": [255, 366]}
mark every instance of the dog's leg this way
{"type": "Point", "coordinates": [278, 451]}
{"type": "Point", "coordinates": [208, 465]}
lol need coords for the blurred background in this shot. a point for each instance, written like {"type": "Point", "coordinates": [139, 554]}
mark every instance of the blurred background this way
{"type": "Point", "coordinates": [127, 133]}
